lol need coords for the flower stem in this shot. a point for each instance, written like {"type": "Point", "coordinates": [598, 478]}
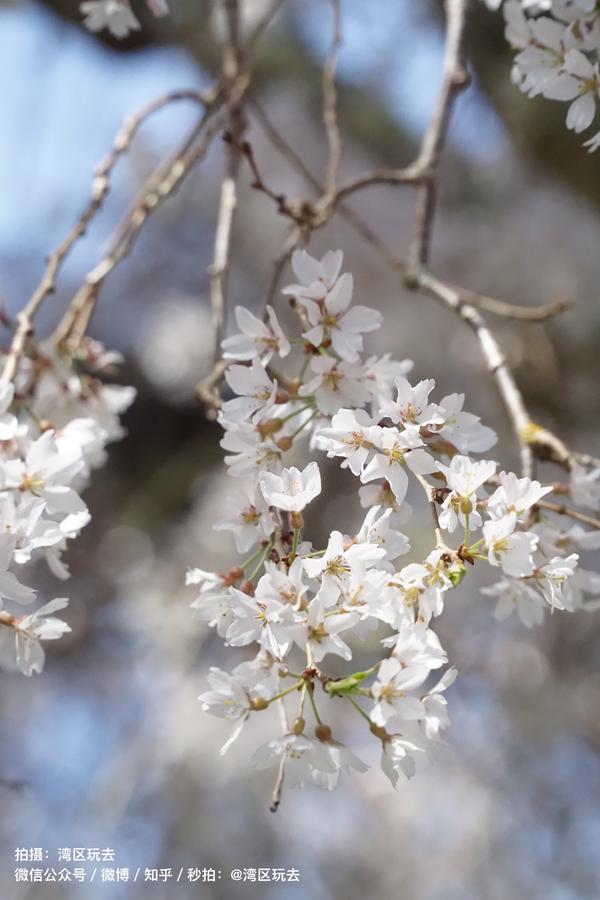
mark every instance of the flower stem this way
{"type": "Point", "coordinates": [311, 697]}
{"type": "Point", "coordinates": [261, 561]}
{"type": "Point", "coordinates": [295, 540]}
{"type": "Point", "coordinates": [296, 412]}
{"type": "Point", "coordinates": [359, 709]}
{"type": "Point", "coordinates": [303, 426]}
{"type": "Point", "coordinates": [287, 691]}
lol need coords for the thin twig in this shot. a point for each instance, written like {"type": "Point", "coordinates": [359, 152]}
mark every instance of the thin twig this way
{"type": "Point", "coordinates": [455, 78]}
{"type": "Point", "coordinates": [100, 190]}
{"type": "Point", "coordinates": [232, 67]}
{"type": "Point", "coordinates": [569, 511]}
{"type": "Point", "coordinates": [330, 120]}
{"type": "Point", "coordinates": [161, 185]}
{"type": "Point", "coordinates": [494, 358]}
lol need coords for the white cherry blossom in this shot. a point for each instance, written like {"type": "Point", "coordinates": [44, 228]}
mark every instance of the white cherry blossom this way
{"type": "Point", "coordinates": [256, 337]}
{"type": "Point", "coordinates": [293, 489]}
{"type": "Point", "coordinates": [510, 549]}
{"type": "Point", "coordinates": [31, 630]}
{"type": "Point", "coordinates": [116, 15]}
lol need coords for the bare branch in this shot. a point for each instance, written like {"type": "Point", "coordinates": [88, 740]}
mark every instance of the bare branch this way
{"type": "Point", "coordinates": [454, 80]}
{"type": "Point", "coordinates": [100, 190]}
{"type": "Point", "coordinates": [330, 121]}
{"type": "Point", "coordinates": [161, 184]}
{"type": "Point", "coordinates": [232, 66]}
{"type": "Point", "coordinates": [494, 358]}
{"type": "Point", "coordinates": [568, 511]}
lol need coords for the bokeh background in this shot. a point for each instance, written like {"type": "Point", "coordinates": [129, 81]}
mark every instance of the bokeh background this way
{"type": "Point", "coordinates": [109, 747]}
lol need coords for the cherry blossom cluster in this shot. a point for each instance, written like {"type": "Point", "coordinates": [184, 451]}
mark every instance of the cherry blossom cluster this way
{"type": "Point", "coordinates": [56, 418]}
{"type": "Point", "coordinates": [297, 606]}
{"type": "Point", "coordinates": [117, 15]}
{"type": "Point", "coordinates": [557, 44]}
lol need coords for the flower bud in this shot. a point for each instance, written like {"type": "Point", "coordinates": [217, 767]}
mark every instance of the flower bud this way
{"type": "Point", "coordinates": [246, 587]}
{"type": "Point", "coordinates": [298, 726]}
{"type": "Point", "coordinates": [235, 573]}
{"type": "Point", "coordinates": [378, 731]}
{"type": "Point", "coordinates": [323, 732]}
{"type": "Point", "coordinates": [269, 427]}
{"type": "Point", "coordinates": [259, 703]}
{"type": "Point", "coordinates": [284, 443]}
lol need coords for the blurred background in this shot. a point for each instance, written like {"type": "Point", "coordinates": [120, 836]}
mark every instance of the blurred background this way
{"type": "Point", "coordinates": [109, 748]}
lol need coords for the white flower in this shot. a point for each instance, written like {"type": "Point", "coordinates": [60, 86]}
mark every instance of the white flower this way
{"type": "Point", "coordinates": [292, 490]}
{"type": "Point", "coordinates": [511, 550]}
{"type": "Point", "coordinates": [269, 624]}
{"type": "Point", "coordinates": [517, 595]}
{"type": "Point", "coordinates": [321, 630]}
{"type": "Point", "coordinates": [381, 494]}
{"type": "Point", "coordinates": [396, 449]}
{"type": "Point", "coordinates": [352, 436]}
{"type": "Point", "coordinates": [255, 389]}
{"type": "Point", "coordinates": [338, 562]}
{"type": "Point", "coordinates": [585, 486]}
{"type": "Point", "coordinates": [515, 495]}
{"type": "Point", "coordinates": [376, 529]}
{"type": "Point", "coordinates": [249, 522]}
{"type": "Point", "coordinates": [305, 758]}
{"type": "Point", "coordinates": [158, 7]}
{"type": "Point", "coordinates": [593, 143]}
{"type": "Point", "coordinates": [554, 541]}
{"type": "Point", "coordinates": [31, 630]}
{"type": "Point", "coordinates": [462, 429]}
{"type": "Point", "coordinates": [397, 758]}
{"type": "Point", "coordinates": [464, 477]}
{"type": "Point", "coordinates": [412, 405]}
{"type": "Point", "coordinates": [283, 588]}
{"type": "Point", "coordinates": [213, 602]}
{"type": "Point", "coordinates": [8, 422]}
{"type": "Point", "coordinates": [10, 587]}
{"type": "Point", "coordinates": [227, 697]}
{"type": "Point", "coordinates": [335, 384]}
{"type": "Point", "coordinates": [230, 699]}
{"type": "Point", "coordinates": [255, 337]}
{"type": "Point", "coordinates": [517, 31]}
{"type": "Point", "coordinates": [249, 452]}
{"type": "Point", "coordinates": [401, 600]}
{"type": "Point", "coordinates": [327, 299]}
{"type": "Point", "coordinates": [436, 707]}
{"type": "Point", "coordinates": [46, 472]}
{"type": "Point", "coordinates": [390, 691]}
{"type": "Point", "coordinates": [553, 578]}
{"type": "Point", "coordinates": [381, 373]}
{"type": "Point", "coordinates": [344, 760]}
{"type": "Point", "coordinates": [417, 646]}
{"type": "Point", "coordinates": [319, 275]}
{"type": "Point", "coordinates": [116, 15]}
{"type": "Point", "coordinates": [25, 523]}
{"type": "Point", "coordinates": [584, 78]}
